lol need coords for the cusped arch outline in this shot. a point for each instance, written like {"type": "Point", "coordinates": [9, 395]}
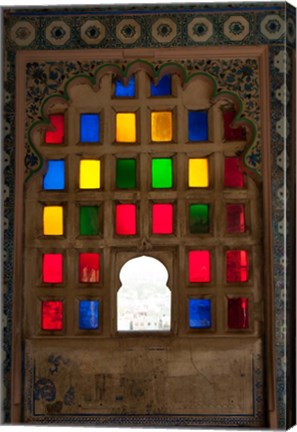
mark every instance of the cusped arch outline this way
{"type": "Point", "coordinates": [156, 72]}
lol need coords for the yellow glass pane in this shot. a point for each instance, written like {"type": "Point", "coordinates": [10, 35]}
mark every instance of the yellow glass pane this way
{"type": "Point", "coordinates": [53, 220]}
{"type": "Point", "coordinates": [126, 127]}
{"type": "Point", "coordinates": [161, 123]}
{"type": "Point", "coordinates": [198, 173]}
{"type": "Point", "coordinates": [89, 174]}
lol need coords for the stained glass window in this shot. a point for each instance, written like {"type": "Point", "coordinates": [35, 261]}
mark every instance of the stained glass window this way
{"type": "Point", "coordinates": [89, 264]}
{"type": "Point", "coordinates": [235, 218]}
{"type": "Point", "coordinates": [55, 136]}
{"type": "Point", "coordinates": [88, 314]}
{"type": "Point", "coordinates": [236, 266]}
{"type": "Point", "coordinates": [52, 268]}
{"type": "Point", "coordinates": [233, 175]}
{"type": "Point", "coordinates": [88, 220]}
{"type": "Point", "coordinates": [162, 88]}
{"type": "Point", "coordinates": [53, 220]}
{"type": "Point", "coordinates": [126, 127]}
{"type": "Point", "coordinates": [199, 266]}
{"type": "Point", "coordinates": [52, 315]}
{"type": "Point", "coordinates": [199, 218]}
{"type": "Point", "coordinates": [162, 173]}
{"type": "Point", "coordinates": [198, 173]}
{"type": "Point", "coordinates": [126, 173]}
{"type": "Point", "coordinates": [54, 178]}
{"type": "Point", "coordinates": [126, 219]}
{"type": "Point", "coordinates": [232, 133]}
{"type": "Point", "coordinates": [238, 313]}
{"type": "Point", "coordinates": [199, 313]}
{"type": "Point", "coordinates": [197, 126]}
{"type": "Point", "coordinates": [161, 126]}
{"type": "Point", "coordinates": [125, 90]}
{"type": "Point", "coordinates": [89, 174]}
{"type": "Point", "coordinates": [162, 218]}
{"type": "Point", "coordinates": [89, 128]}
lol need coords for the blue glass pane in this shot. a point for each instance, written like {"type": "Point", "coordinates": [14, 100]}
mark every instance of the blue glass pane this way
{"type": "Point", "coordinates": [199, 313]}
{"type": "Point", "coordinates": [163, 88]}
{"type": "Point", "coordinates": [89, 128]}
{"type": "Point", "coordinates": [122, 90]}
{"type": "Point", "coordinates": [54, 179]}
{"type": "Point", "coordinates": [197, 126]}
{"type": "Point", "coordinates": [88, 314]}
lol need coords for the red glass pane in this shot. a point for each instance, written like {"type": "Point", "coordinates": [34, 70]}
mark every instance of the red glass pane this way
{"type": "Point", "coordinates": [162, 218]}
{"type": "Point", "coordinates": [232, 133]}
{"type": "Point", "coordinates": [55, 136]}
{"type": "Point", "coordinates": [126, 219]}
{"type": "Point", "coordinates": [238, 313]}
{"type": "Point", "coordinates": [233, 175]}
{"type": "Point", "coordinates": [52, 268]}
{"type": "Point", "coordinates": [235, 218]}
{"type": "Point", "coordinates": [237, 266]}
{"type": "Point", "coordinates": [89, 267]}
{"type": "Point", "coordinates": [199, 266]}
{"type": "Point", "coordinates": [52, 315]}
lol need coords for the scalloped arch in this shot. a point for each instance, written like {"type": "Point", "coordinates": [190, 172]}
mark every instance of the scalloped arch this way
{"type": "Point", "coordinates": [156, 72]}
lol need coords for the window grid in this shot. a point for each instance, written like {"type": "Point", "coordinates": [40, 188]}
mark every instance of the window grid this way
{"type": "Point", "coordinates": [180, 149]}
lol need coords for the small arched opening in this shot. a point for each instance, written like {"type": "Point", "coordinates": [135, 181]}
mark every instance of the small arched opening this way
{"type": "Point", "coordinates": [144, 299]}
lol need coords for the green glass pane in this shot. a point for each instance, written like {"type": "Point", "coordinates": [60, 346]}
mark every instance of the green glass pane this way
{"type": "Point", "coordinates": [126, 174]}
{"type": "Point", "coordinates": [162, 173]}
{"type": "Point", "coordinates": [199, 220]}
{"type": "Point", "coordinates": [88, 221]}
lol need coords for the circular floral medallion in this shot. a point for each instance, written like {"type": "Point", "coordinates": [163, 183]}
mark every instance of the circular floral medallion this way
{"type": "Point", "coordinates": [128, 31]}
{"type": "Point", "coordinates": [236, 28]}
{"type": "Point", "coordinates": [272, 27]}
{"type": "Point", "coordinates": [164, 30]}
{"type": "Point", "coordinates": [92, 32]}
{"type": "Point", "coordinates": [200, 29]}
{"type": "Point", "coordinates": [22, 33]}
{"type": "Point", "coordinates": [57, 33]}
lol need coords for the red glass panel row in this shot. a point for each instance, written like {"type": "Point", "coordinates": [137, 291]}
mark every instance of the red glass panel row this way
{"type": "Point", "coordinates": [199, 267]}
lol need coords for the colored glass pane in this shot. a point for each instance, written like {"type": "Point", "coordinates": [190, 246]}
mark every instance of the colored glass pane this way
{"type": "Point", "coordinates": [198, 173]}
{"type": "Point", "coordinates": [197, 126]}
{"type": "Point", "coordinates": [235, 218]}
{"type": "Point", "coordinates": [162, 219]}
{"type": "Point", "coordinates": [89, 174]}
{"type": "Point", "coordinates": [161, 126]}
{"type": "Point", "coordinates": [199, 313]}
{"type": "Point", "coordinates": [162, 173]}
{"type": "Point", "coordinates": [89, 264]}
{"type": "Point", "coordinates": [126, 173]}
{"type": "Point", "coordinates": [236, 266]}
{"type": "Point", "coordinates": [199, 266]}
{"type": "Point", "coordinates": [232, 133]}
{"type": "Point", "coordinates": [89, 128]}
{"type": "Point", "coordinates": [199, 218]}
{"type": "Point", "coordinates": [125, 90]}
{"type": "Point", "coordinates": [53, 220]}
{"type": "Point", "coordinates": [233, 176]}
{"type": "Point", "coordinates": [55, 136]}
{"type": "Point", "coordinates": [88, 314]}
{"type": "Point", "coordinates": [54, 178]}
{"type": "Point", "coordinates": [126, 219]}
{"type": "Point", "coordinates": [88, 220]}
{"type": "Point", "coordinates": [52, 315]}
{"type": "Point", "coordinates": [238, 313]}
{"type": "Point", "coordinates": [162, 88]}
{"type": "Point", "coordinates": [52, 268]}
{"type": "Point", "coordinates": [126, 127]}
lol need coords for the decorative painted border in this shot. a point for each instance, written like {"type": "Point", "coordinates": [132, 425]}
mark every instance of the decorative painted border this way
{"type": "Point", "coordinates": [270, 24]}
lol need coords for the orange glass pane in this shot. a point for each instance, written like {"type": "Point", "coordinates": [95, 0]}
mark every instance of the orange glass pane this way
{"type": "Point", "coordinates": [161, 126]}
{"type": "Point", "coordinates": [126, 127]}
{"type": "Point", "coordinates": [53, 220]}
